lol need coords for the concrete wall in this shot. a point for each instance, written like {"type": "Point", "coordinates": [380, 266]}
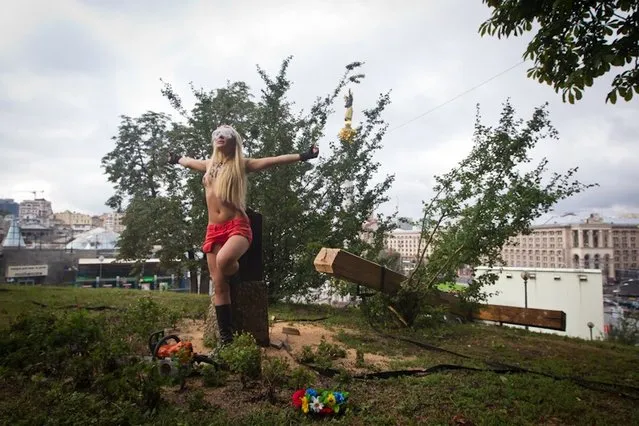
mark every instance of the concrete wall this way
{"type": "Point", "coordinates": [59, 261]}
{"type": "Point", "coordinates": [577, 292]}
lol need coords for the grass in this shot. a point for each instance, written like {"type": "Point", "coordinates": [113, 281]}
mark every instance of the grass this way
{"type": "Point", "coordinates": [69, 390]}
{"type": "Point", "coordinates": [448, 287]}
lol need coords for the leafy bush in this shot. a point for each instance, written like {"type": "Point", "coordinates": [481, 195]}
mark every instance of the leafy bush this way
{"type": "Point", "coordinates": [301, 378]}
{"type": "Point", "coordinates": [243, 357]}
{"type": "Point", "coordinates": [275, 374]}
{"type": "Point", "coordinates": [323, 356]}
{"type": "Point", "coordinates": [213, 377]}
{"type": "Point", "coordinates": [146, 316]}
{"type": "Point", "coordinates": [77, 361]}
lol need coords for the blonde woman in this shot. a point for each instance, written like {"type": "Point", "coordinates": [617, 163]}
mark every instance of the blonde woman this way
{"type": "Point", "coordinates": [228, 234]}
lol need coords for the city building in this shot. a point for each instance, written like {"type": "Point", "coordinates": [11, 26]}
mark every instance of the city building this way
{"type": "Point", "coordinates": [97, 222]}
{"type": "Point", "coordinates": [407, 243]}
{"type": "Point", "coordinates": [76, 221]}
{"type": "Point", "coordinates": [113, 222]}
{"type": "Point", "coordinates": [579, 242]}
{"type": "Point", "coordinates": [36, 211]}
{"type": "Point", "coordinates": [9, 207]}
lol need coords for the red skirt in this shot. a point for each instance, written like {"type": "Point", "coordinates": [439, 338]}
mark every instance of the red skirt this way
{"type": "Point", "coordinates": [219, 233]}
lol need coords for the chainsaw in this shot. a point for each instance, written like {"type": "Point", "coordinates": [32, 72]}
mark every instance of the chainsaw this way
{"type": "Point", "coordinates": [174, 355]}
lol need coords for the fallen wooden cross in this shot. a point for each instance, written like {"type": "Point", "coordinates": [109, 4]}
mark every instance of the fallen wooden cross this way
{"type": "Point", "coordinates": [347, 266]}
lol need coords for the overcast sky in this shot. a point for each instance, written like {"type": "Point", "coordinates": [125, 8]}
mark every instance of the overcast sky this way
{"type": "Point", "coordinates": [68, 69]}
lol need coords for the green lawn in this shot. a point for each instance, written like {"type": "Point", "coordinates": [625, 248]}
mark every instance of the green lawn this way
{"type": "Point", "coordinates": [74, 367]}
{"type": "Point", "coordinates": [451, 287]}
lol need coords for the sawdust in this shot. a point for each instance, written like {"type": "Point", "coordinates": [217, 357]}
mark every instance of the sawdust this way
{"type": "Point", "coordinates": [310, 335]}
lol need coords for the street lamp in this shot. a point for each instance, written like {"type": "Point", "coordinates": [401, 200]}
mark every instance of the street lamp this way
{"type": "Point", "coordinates": [525, 276]}
{"type": "Point", "coordinates": [590, 326]}
{"type": "Point", "coordinates": [101, 259]}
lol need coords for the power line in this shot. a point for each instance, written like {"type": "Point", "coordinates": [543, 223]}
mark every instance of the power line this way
{"type": "Point", "coordinates": [457, 97]}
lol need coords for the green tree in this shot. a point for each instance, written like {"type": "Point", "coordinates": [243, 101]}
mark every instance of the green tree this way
{"type": "Point", "coordinates": [302, 204]}
{"type": "Point", "coordinates": [146, 190]}
{"type": "Point", "coordinates": [136, 166]}
{"type": "Point", "coordinates": [480, 204]}
{"type": "Point", "coordinates": [576, 42]}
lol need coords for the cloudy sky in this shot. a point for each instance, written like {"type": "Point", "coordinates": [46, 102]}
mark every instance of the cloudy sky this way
{"type": "Point", "coordinates": [68, 69]}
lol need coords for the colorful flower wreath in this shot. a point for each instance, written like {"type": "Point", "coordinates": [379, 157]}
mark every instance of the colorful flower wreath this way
{"type": "Point", "coordinates": [320, 401]}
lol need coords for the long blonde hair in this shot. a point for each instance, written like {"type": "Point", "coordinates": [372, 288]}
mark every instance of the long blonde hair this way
{"type": "Point", "coordinates": [230, 183]}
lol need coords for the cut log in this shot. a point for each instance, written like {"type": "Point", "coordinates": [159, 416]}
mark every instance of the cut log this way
{"type": "Point", "coordinates": [347, 266]}
{"type": "Point", "coordinates": [249, 301]}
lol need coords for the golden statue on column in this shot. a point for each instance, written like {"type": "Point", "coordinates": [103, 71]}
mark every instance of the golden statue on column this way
{"type": "Point", "coordinates": [347, 133]}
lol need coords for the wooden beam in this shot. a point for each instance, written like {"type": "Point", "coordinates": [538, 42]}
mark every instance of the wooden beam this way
{"type": "Point", "coordinates": [347, 266]}
{"type": "Point", "coordinates": [543, 318]}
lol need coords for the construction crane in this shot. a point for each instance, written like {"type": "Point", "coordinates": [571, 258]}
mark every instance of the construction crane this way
{"type": "Point", "coordinates": [34, 193]}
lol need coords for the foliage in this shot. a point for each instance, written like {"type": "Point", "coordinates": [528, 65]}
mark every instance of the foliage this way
{"type": "Point", "coordinates": [213, 377]}
{"type": "Point", "coordinates": [146, 316]}
{"type": "Point", "coordinates": [576, 41]}
{"type": "Point", "coordinates": [275, 375]}
{"type": "Point", "coordinates": [123, 391]}
{"type": "Point", "coordinates": [390, 259]}
{"type": "Point", "coordinates": [243, 357]}
{"type": "Point", "coordinates": [74, 356]}
{"type": "Point", "coordinates": [480, 204]}
{"type": "Point", "coordinates": [627, 330]}
{"type": "Point", "coordinates": [136, 165]}
{"type": "Point", "coordinates": [323, 355]}
{"type": "Point", "coordinates": [301, 377]}
{"type": "Point", "coordinates": [304, 205]}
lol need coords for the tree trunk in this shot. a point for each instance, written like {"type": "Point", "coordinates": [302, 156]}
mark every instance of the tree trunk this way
{"type": "Point", "coordinates": [193, 271]}
{"type": "Point", "coordinates": [205, 277]}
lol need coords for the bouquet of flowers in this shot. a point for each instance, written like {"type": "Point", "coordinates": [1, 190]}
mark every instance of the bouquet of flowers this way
{"type": "Point", "coordinates": [320, 401]}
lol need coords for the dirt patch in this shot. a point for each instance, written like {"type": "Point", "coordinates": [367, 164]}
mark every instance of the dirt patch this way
{"type": "Point", "coordinates": [310, 335]}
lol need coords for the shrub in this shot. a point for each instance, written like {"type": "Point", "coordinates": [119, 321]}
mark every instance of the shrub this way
{"type": "Point", "coordinates": [243, 357]}
{"type": "Point", "coordinates": [275, 374]}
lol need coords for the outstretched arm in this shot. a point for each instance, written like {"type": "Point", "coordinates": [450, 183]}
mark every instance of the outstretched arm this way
{"type": "Point", "coordinates": [257, 164]}
{"type": "Point", "coordinates": [191, 163]}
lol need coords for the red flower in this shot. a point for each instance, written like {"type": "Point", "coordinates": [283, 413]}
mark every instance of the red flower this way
{"type": "Point", "coordinates": [297, 398]}
{"type": "Point", "coordinates": [326, 410]}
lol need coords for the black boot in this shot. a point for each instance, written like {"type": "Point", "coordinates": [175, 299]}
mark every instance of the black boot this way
{"type": "Point", "coordinates": [224, 323]}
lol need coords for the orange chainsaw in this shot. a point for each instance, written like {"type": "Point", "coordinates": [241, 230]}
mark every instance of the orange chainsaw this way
{"type": "Point", "coordinates": [173, 355]}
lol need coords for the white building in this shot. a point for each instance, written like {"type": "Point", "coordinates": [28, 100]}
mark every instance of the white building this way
{"type": "Point", "coordinates": [577, 292]}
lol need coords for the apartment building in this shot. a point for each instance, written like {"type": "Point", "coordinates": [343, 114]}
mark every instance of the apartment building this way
{"type": "Point", "coordinates": [36, 211]}
{"type": "Point", "coordinates": [113, 221]}
{"type": "Point", "coordinates": [407, 243]}
{"type": "Point", "coordinates": [76, 221]}
{"type": "Point", "coordinates": [572, 241]}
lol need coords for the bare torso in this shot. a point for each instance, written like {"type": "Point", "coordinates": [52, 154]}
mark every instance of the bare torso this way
{"type": "Point", "coordinates": [218, 210]}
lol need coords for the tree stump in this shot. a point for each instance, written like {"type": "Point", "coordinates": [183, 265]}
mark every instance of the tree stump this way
{"type": "Point", "coordinates": [249, 297]}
